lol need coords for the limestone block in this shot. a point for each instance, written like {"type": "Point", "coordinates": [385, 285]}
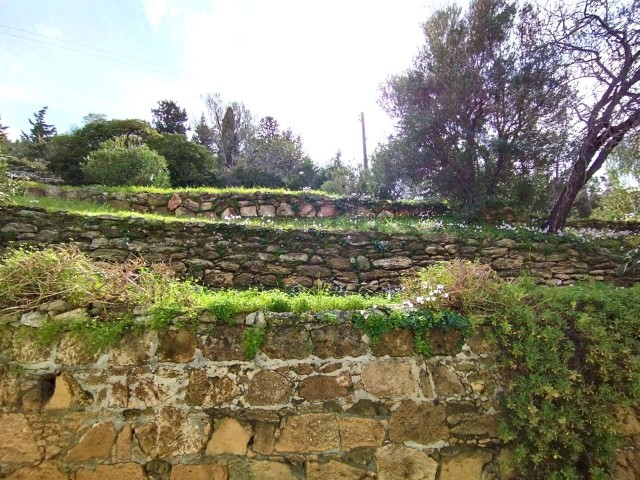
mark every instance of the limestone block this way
{"type": "Point", "coordinates": [229, 437]}
{"type": "Point", "coordinates": [396, 343]}
{"type": "Point", "coordinates": [269, 388]}
{"type": "Point", "coordinates": [321, 388]}
{"type": "Point", "coordinates": [44, 471]}
{"type": "Point", "coordinates": [199, 472]}
{"type": "Point", "coordinates": [285, 210]}
{"type": "Point", "coordinates": [249, 211]}
{"type": "Point", "coordinates": [18, 443]}
{"type": "Point", "coordinates": [224, 343]}
{"type": "Point", "coordinates": [306, 210]}
{"type": "Point", "coordinates": [171, 434]}
{"type": "Point", "coordinates": [444, 342]}
{"type": "Point", "coordinates": [393, 263]}
{"type": "Point", "coordinates": [204, 391]}
{"type": "Point", "coordinates": [177, 346]}
{"type": "Point", "coordinates": [259, 470]}
{"type": "Point", "coordinates": [396, 462]}
{"type": "Point", "coordinates": [315, 432]}
{"type": "Point", "coordinates": [286, 342]}
{"type": "Point", "coordinates": [333, 470]}
{"type": "Point", "coordinates": [328, 210]}
{"type": "Point", "coordinates": [388, 379]}
{"type": "Point", "coordinates": [134, 349]}
{"type": "Point", "coordinates": [294, 257]}
{"type": "Point", "coordinates": [267, 211]}
{"type": "Point", "coordinates": [229, 213]}
{"type": "Point", "coordinates": [264, 438]}
{"type": "Point", "coordinates": [446, 381]}
{"type": "Point", "coordinates": [94, 445]}
{"type": "Point", "coordinates": [465, 465]}
{"type": "Point", "coordinates": [184, 212]}
{"type": "Point", "coordinates": [119, 471]}
{"type": "Point", "coordinates": [360, 432]}
{"type": "Point", "coordinates": [430, 417]}
{"type": "Point", "coordinates": [174, 202]}
{"type": "Point", "coordinates": [68, 393]}
{"type": "Point", "coordinates": [72, 350]}
{"type": "Point", "coordinates": [337, 341]}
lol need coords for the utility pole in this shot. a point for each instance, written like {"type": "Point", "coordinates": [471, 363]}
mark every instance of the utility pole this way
{"type": "Point", "coordinates": [364, 143]}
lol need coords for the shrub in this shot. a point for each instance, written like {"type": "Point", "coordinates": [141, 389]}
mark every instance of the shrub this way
{"type": "Point", "coordinates": [125, 161]}
{"type": "Point", "coordinates": [189, 164]}
{"type": "Point", "coordinates": [571, 356]}
{"type": "Point", "coordinates": [461, 285]}
{"type": "Point", "coordinates": [619, 203]}
{"type": "Point", "coordinates": [7, 185]}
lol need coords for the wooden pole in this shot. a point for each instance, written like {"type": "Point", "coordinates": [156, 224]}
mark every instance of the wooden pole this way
{"type": "Point", "coordinates": [364, 143]}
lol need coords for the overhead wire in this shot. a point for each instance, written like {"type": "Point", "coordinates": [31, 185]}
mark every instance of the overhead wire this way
{"type": "Point", "coordinates": [135, 62]}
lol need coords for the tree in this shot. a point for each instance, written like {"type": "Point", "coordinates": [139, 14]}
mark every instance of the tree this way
{"type": "Point", "coordinates": [202, 134]}
{"type": "Point", "coordinates": [69, 152]}
{"type": "Point", "coordinates": [39, 135]}
{"type": "Point", "coordinates": [125, 161]}
{"type": "Point", "coordinates": [480, 114]}
{"type": "Point", "coordinates": [3, 133]}
{"type": "Point", "coordinates": [94, 117]}
{"type": "Point", "coordinates": [230, 137]}
{"type": "Point", "coordinates": [273, 150]}
{"type": "Point", "coordinates": [169, 118]}
{"type": "Point", "coordinates": [189, 164]}
{"type": "Point", "coordinates": [600, 44]}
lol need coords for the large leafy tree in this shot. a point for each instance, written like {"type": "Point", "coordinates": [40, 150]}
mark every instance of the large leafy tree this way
{"type": "Point", "coordinates": [38, 138]}
{"type": "Point", "coordinates": [231, 128]}
{"type": "Point", "coordinates": [481, 113]}
{"type": "Point", "coordinates": [168, 117]}
{"type": "Point", "coordinates": [599, 41]}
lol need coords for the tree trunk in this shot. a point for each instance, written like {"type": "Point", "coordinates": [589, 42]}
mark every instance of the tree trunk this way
{"type": "Point", "coordinates": [562, 207]}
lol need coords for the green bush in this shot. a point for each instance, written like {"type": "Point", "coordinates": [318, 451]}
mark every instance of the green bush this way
{"type": "Point", "coordinates": [461, 285]}
{"type": "Point", "coordinates": [619, 203]}
{"type": "Point", "coordinates": [126, 161]}
{"type": "Point", "coordinates": [571, 356]}
{"type": "Point", "coordinates": [190, 164]}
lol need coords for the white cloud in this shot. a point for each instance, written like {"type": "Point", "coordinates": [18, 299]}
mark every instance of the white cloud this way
{"type": "Point", "coordinates": [155, 11]}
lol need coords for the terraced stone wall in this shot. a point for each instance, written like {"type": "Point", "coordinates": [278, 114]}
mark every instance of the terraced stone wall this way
{"type": "Point", "coordinates": [318, 401]}
{"type": "Point", "coordinates": [225, 255]}
{"type": "Point", "coordinates": [226, 205]}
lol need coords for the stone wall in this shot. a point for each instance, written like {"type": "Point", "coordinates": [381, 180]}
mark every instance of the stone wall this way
{"type": "Point", "coordinates": [225, 255]}
{"type": "Point", "coordinates": [318, 401]}
{"type": "Point", "coordinates": [226, 205]}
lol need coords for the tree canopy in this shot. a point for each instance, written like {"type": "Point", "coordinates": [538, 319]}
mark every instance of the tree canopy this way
{"type": "Point", "coordinates": [168, 117]}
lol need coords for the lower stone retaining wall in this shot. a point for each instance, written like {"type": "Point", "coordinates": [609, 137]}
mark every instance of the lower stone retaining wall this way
{"type": "Point", "coordinates": [225, 255]}
{"type": "Point", "coordinates": [317, 402]}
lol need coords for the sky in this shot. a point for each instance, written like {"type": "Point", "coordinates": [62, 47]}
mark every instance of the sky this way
{"type": "Point", "coordinates": [312, 65]}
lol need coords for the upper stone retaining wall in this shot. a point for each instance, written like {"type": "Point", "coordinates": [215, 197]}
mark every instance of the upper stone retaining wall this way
{"type": "Point", "coordinates": [224, 255]}
{"type": "Point", "coordinates": [227, 205]}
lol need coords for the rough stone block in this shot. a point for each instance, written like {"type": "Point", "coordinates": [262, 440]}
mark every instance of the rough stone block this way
{"type": "Point", "coordinates": [204, 391]}
{"type": "Point", "coordinates": [430, 418]}
{"type": "Point", "coordinates": [267, 211]}
{"type": "Point", "coordinates": [68, 393]}
{"type": "Point", "coordinates": [249, 211]}
{"type": "Point", "coordinates": [224, 343]}
{"type": "Point", "coordinates": [18, 440]}
{"type": "Point", "coordinates": [286, 342]}
{"type": "Point", "coordinates": [337, 341]}
{"type": "Point", "coordinates": [315, 432]}
{"type": "Point", "coordinates": [321, 388]}
{"type": "Point", "coordinates": [396, 343]}
{"type": "Point", "coordinates": [44, 471]}
{"type": "Point", "coordinates": [134, 349]}
{"type": "Point", "coordinates": [360, 432]}
{"type": "Point", "coordinates": [174, 202]}
{"type": "Point", "coordinates": [176, 346]}
{"type": "Point", "coordinates": [94, 445]}
{"type": "Point", "coordinates": [393, 263]}
{"type": "Point", "coordinates": [229, 437]}
{"type": "Point", "coordinates": [119, 471]}
{"type": "Point", "coordinates": [171, 434]}
{"type": "Point", "coordinates": [264, 438]}
{"type": "Point", "coordinates": [259, 470]}
{"type": "Point", "coordinates": [396, 462]}
{"type": "Point", "coordinates": [467, 465]}
{"type": "Point", "coordinates": [269, 388]}
{"type": "Point", "coordinates": [73, 351]}
{"type": "Point", "coordinates": [199, 472]}
{"type": "Point", "coordinates": [446, 381]}
{"type": "Point", "coordinates": [333, 470]}
{"type": "Point", "coordinates": [444, 342]}
{"type": "Point", "coordinates": [388, 379]}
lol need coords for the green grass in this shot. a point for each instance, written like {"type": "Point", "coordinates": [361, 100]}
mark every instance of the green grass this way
{"type": "Point", "coordinates": [399, 225]}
